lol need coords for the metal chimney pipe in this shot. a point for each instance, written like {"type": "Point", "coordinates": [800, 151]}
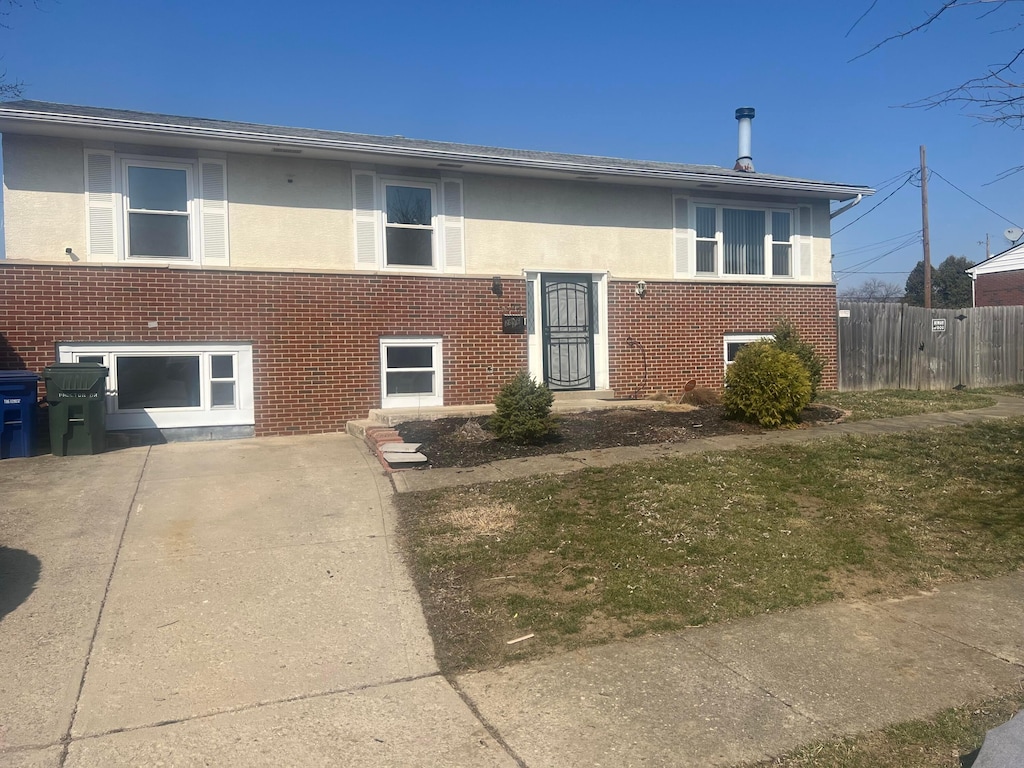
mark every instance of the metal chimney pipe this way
{"type": "Point", "coordinates": [744, 162]}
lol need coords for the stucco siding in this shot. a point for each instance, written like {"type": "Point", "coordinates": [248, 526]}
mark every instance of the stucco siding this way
{"type": "Point", "coordinates": [289, 213]}
{"type": "Point", "coordinates": [294, 213]}
{"type": "Point", "coordinates": [513, 224]}
{"type": "Point", "coordinates": [44, 203]}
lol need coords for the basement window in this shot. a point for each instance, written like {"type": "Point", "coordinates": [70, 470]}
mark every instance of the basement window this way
{"type": "Point", "coordinates": [411, 372]}
{"type": "Point", "coordinates": [172, 385]}
{"type": "Point", "coordinates": [734, 342]}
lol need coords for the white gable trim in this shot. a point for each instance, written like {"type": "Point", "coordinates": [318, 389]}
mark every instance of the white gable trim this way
{"type": "Point", "coordinates": [1008, 261]}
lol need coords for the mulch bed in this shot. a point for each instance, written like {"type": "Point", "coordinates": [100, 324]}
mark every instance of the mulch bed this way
{"type": "Point", "coordinates": [467, 442]}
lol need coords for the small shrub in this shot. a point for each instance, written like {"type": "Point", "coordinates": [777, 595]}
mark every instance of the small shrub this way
{"type": "Point", "coordinates": [766, 385]}
{"type": "Point", "coordinates": [701, 396]}
{"type": "Point", "coordinates": [787, 338]}
{"type": "Point", "coordinates": [523, 411]}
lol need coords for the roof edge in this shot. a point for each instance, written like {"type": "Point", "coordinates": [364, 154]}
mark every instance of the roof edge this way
{"type": "Point", "coordinates": [278, 136]}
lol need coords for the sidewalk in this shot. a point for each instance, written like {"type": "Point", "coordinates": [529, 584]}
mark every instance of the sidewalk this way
{"type": "Point", "coordinates": [752, 689]}
{"type": "Point", "coordinates": [561, 463]}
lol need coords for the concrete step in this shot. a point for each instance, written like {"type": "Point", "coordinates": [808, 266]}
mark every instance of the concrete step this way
{"type": "Point", "coordinates": [402, 459]}
{"type": "Point", "coordinates": [583, 394]}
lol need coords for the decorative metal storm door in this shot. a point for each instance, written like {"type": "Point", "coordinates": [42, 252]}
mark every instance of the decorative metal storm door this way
{"type": "Point", "coordinates": [568, 331]}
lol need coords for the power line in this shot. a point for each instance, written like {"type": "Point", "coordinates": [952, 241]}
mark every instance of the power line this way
{"type": "Point", "coordinates": [862, 266]}
{"type": "Point", "coordinates": [872, 208]}
{"type": "Point", "coordinates": [893, 179]}
{"type": "Point", "coordinates": [872, 246]}
{"type": "Point", "coordinates": [954, 186]}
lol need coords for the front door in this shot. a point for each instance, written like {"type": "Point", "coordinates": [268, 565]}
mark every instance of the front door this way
{"type": "Point", "coordinates": [568, 331]}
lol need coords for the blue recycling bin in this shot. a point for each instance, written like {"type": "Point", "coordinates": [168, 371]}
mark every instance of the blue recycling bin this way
{"type": "Point", "coordinates": [18, 401]}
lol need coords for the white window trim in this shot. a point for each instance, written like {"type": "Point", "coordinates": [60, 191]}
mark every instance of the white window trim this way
{"type": "Point", "coordinates": [741, 338]}
{"type": "Point", "coordinates": [414, 400]}
{"type": "Point", "coordinates": [205, 415]}
{"type": "Point", "coordinates": [435, 223]}
{"type": "Point", "coordinates": [720, 272]}
{"type": "Point", "coordinates": [121, 189]}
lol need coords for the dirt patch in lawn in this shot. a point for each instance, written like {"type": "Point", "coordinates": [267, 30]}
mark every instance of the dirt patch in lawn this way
{"type": "Point", "coordinates": [459, 442]}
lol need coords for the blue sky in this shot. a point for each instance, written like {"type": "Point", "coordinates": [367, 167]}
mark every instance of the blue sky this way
{"type": "Point", "coordinates": [649, 80]}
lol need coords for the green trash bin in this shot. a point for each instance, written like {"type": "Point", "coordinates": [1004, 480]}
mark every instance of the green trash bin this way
{"type": "Point", "coordinates": [76, 395]}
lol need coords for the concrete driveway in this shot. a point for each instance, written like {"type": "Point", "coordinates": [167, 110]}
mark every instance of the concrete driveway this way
{"type": "Point", "coordinates": [227, 603]}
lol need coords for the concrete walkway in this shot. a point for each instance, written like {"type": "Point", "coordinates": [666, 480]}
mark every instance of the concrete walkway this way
{"type": "Point", "coordinates": [243, 604]}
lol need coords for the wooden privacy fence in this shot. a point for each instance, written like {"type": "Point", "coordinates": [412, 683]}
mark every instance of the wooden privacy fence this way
{"type": "Point", "coordinates": [893, 346]}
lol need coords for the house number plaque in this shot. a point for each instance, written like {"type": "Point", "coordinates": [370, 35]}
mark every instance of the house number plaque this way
{"type": "Point", "coordinates": [513, 323]}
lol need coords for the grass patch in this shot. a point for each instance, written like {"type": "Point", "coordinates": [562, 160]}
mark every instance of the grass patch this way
{"type": "Point", "coordinates": [604, 554]}
{"type": "Point", "coordinates": [936, 742]}
{"type": "Point", "coordinates": [887, 403]}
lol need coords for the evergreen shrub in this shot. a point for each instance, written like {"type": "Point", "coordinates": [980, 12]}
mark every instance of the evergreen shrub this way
{"type": "Point", "coordinates": [766, 385]}
{"type": "Point", "coordinates": [788, 340]}
{"type": "Point", "coordinates": [523, 411]}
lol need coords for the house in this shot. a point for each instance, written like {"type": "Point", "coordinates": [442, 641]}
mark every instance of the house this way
{"type": "Point", "coordinates": [999, 280]}
{"type": "Point", "coordinates": [241, 279]}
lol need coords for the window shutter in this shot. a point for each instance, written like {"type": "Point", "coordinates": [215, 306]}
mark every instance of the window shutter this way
{"type": "Point", "coordinates": [213, 212]}
{"type": "Point", "coordinates": [681, 225]}
{"type": "Point", "coordinates": [805, 243]}
{"type": "Point", "coordinates": [101, 205]}
{"type": "Point", "coordinates": [364, 196]}
{"type": "Point", "coordinates": [454, 230]}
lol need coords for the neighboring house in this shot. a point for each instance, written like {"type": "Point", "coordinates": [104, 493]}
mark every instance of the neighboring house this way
{"type": "Point", "coordinates": [250, 279]}
{"type": "Point", "coordinates": [999, 281]}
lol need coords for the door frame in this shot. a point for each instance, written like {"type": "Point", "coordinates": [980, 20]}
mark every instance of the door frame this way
{"type": "Point", "coordinates": [599, 324]}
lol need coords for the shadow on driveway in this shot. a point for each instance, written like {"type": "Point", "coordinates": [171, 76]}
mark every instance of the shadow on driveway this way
{"type": "Point", "coordinates": [19, 572]}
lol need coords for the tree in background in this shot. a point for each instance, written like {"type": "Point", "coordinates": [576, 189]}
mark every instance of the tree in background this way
{"type": "Point", "coordinates": [951, 285]}
{"type": "Point", "coordinates": [873, 289]}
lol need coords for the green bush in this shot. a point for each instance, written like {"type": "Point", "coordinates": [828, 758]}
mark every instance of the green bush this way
{"type": "Point", "coordinates": [788, 340]}
{"type": "Point", "coordinates": [766, 385]}
{"type": "Point", "coordinates": [523, 411]}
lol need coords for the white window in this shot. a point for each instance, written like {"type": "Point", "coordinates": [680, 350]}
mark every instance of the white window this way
{"type": "Point", "coordinates": [172, 385]}
{"type": "Point", "coordinates": [734, 342]}
{"type": "Point", "coordinates": [155, 209]}
{"type": "Point", "coordinates": [158, 210]}
{"type": "Point", "coordinates": [411, 372]}
{"type": "Point", "coordinates": [782, 243]}
{"type": "Point", "coordinates": [409, 223]}
{"type": "Point", "coordinates": [731, 241]}
{"type": "Point", "coordinates": [707, 240]}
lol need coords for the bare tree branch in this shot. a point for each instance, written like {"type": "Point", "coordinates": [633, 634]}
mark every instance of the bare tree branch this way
{"type": "Point", "coordinates": [995, 97]}
{"type": "Point", "coordinates": [906, 33]}
{"type": "Point", "coordinates": [861, 18]}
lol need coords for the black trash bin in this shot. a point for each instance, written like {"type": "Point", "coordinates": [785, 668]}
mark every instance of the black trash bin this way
{"type": "Point", "coordinates": [18, 403]}
{"type": "Point", "coordinates": [76, 394]}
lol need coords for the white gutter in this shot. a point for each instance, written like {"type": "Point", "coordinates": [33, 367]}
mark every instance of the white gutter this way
{"type": "Point", "coordinates": [846, 207]}
{"type": "Point", "coordinates": [252, 137]}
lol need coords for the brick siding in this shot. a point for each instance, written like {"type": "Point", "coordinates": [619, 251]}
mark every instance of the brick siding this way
{"type": "Point", "coordinates": [316, 337]}
{"type": "Point", "coordinates": [679, 328]}
{"type": "Point", "coordinates": [999, 289]}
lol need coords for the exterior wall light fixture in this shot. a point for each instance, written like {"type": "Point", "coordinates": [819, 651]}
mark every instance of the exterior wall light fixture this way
{"type": "Point", "coordinates": [641, 288]}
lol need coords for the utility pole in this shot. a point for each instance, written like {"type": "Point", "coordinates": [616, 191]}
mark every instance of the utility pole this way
{"type": "Point", "coordinates": [925, 237]}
